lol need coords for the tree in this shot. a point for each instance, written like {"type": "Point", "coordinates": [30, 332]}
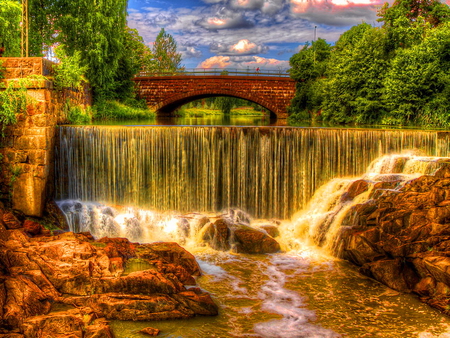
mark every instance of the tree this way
{"type": "Point", "coordinates": [417, 86]}
{"type": "Point", "coordinates": [165, 53]}
{"type": "Point", "coordinates": [432, 11]}
{"type": "Point", "coordinates": [10, 16]}
{"type": "Point", "coordinates": [309, 65]}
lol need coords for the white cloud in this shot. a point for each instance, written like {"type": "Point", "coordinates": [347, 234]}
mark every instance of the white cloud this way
{"type": "Point", "coordinates": [244, 62]}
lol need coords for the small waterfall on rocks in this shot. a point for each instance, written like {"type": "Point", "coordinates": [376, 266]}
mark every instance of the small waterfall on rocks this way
{"type": "Point", "coordinates": [296, 185]}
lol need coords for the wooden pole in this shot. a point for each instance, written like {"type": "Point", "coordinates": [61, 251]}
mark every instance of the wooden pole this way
{"type": "Point", "coordinates": [24, 33]}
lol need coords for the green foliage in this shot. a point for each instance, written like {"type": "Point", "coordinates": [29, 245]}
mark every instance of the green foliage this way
{"type": "Point", "coordinates": [13, 100]}
{"type": "Point", "coordinates": [396, 74]}
{"type": "Point", "coordinates": [309, 66]}
{"type": "Point", "coordinates": [165, 53]}
{"type": "Point", "coordinates": [225, 104]}
{"type": "Point", "coordinates": [10, 16]}
{"type": "Point", "coordinates": [77, 114]}
{"type": "Point", "coordinates": [432, 11]}
{"type": "Point", "coordinates": [68, 72]}
{"type": "Point", "coordinates": [114, 110]}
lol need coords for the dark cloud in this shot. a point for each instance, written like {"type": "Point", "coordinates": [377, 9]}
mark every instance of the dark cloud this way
{"type": "Point", "coordinates": [340, 17]}
{"type": "Point", "coordinates": [225, 20]}
{"type": "Point", "coordinates": [247, 4]}
{"type": "Point", "coordinates": [243, 47]}
{"type": "Point", "coordinates": [190, 52]}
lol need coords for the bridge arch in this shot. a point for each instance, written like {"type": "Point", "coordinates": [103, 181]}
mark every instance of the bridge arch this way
{"type": "Point", "coordinates": [165, 93]}
{"type": "Point", "coordinates": [168, 106]}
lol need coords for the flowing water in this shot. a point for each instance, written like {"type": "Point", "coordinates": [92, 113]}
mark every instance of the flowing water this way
{"type": "Point", "coordinates": [157, 184]}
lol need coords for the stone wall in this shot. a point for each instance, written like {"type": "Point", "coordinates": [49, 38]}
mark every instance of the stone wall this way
{"type": "Point", "coordinates": [166, 93]}
{"type": "Point", "coordinates": [27, 149]}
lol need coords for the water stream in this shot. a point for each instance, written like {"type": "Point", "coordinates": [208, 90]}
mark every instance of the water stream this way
{"type": "Point", "coordinates": [151, 184]}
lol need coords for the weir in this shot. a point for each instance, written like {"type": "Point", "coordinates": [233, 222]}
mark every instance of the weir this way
{"type": "Point", "coordinates": [268, 172]}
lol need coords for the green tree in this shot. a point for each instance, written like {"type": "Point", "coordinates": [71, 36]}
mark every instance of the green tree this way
{"type": "Point", "coordinates": [309, 66]}
{"type": "Point", "coordinates": [355, 84]}
{"type": "Point", "coordinates": [165, 53]}
{"type": "Point", "coordinates": [225, 104]}
{"type": "Point", "coordinates": [432, 11]}
{"type": "Point", "coordinates": [417, 86]}
{"type": "Point", "coordinates": [10, 16]}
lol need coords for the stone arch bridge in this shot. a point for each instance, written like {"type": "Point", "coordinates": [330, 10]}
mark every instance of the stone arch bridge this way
{"type": "Point", "coordinates": [166, 93]}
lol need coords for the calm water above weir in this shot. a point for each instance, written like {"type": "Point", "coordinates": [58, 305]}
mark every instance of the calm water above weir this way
{"type": "Point", "coordinates": [145, 182]}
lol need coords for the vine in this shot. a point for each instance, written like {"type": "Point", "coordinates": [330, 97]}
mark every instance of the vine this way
{"type": "Point", "coordinates": [14, 99]}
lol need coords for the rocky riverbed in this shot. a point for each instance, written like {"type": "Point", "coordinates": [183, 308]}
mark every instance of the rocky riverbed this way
{"type": "Point", "coordinates": [401, 235]}
{"type": "Point", "coordinates": [62, 284]}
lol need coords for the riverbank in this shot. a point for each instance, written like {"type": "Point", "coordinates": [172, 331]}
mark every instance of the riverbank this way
{"type": "Point", "coordinates": [59, 284]}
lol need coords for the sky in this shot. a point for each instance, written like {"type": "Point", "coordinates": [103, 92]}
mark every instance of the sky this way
{"type": "Point", "coordinates": [246, 34]}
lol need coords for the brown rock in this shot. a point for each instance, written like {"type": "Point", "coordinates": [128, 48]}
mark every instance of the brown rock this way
{"type": "Point", "coordinates": [118, 247]}
{"type": "Point", "coordinates": [138, 307]}
{"type": "Point", "coordinates": [31, 227]}
{"type": "Point", "coordinates": [170, 252]}
{"type": "Point", "coordinates": [272, 230]}
{"type": "Point", "coordinates": [11, 221]}
{"type": "Point", "coordinates": [217, 235]}
{"type": "Point", "coordinates": [250, 240]}
{"type": "Point", "coordinates": [150, 331]}
{"type": "Point", "coordinates": [355, 189]}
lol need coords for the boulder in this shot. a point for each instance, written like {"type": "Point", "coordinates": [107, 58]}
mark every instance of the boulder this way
{"type": "Point", "coordinates": [150, 331]}
{"type": "Point", "coordinates": [32, 228]}
{"type": "Point", "coordinates": [252, 241]}
{"type": "Point", "coordinates": [223, 235]}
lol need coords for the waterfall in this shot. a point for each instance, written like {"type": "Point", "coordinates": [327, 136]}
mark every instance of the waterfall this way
{"type": "Point", "coordinates": [266, 171]}
{"type": "Point", "coordinates": [329, 210]}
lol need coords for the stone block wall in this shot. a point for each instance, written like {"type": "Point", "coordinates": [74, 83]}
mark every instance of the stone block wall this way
{"type": "Point", "coordinates": [27, 150]}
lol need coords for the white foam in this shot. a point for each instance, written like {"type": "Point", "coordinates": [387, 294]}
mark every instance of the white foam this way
{"type": "Point", "coordinates": [296, 321]}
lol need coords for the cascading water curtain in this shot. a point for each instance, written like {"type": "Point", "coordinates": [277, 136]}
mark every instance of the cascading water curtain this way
{"type": "Point", "coordinates": [266, 171]}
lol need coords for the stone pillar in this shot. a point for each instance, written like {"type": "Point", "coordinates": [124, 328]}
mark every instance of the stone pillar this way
{"type": "Point", "coordinates": [27, 148]}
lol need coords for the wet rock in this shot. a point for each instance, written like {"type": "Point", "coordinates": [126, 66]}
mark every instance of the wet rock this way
{"type": "Point", "coordinates": [272, 230]}
{"type": "Point", "coordinates": [170, 252]}
{"type": "Point", "coordinates": [217, 235]}
{"type": "Point", "coordinates": [32, 228]}
{"type": "Point", "coordinates": [355, 189]}
{"type": "Point", "coordinates": [401, 237]}
{"type": "Point", "coordinates": [223, 235]}
{"type": "Point", "coordinates": [43, 270]}
{"type": "Point", "coordinates": [150, 331]}
{"type": "Point", "coordinates": [71, 323]}
{"type": "Point", "coordinates": [253, 241]}
{"type": "Point", "coordinates": [11, 221]}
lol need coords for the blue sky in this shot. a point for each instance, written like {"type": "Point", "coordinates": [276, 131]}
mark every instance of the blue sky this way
{"type": "Point", "coordinates": [246, 33]}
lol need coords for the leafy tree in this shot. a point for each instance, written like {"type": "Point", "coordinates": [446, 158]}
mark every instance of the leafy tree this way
{"type": "Point", "coordinates": [417, 85]}
{"type": "Point", "coordinates": [165, 53]}
{"type": "Point", "coordinates": [10, 16]}
{"type": "Point", "coordinates": [68, 72]}
{"type": "Point", "coordinates": [309, 65]}
{"type": "Point", "coordinates": [432, 11]}
{"type": "Point", "coordinates": [357, 67]}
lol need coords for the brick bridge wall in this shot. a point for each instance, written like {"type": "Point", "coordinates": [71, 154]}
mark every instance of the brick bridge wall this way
{"type": "Point", "coordinates": [166, 93]}
{"type": "Point", "coordinates": [26, 161]}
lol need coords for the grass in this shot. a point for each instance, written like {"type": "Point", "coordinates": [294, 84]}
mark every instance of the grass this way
{"type": "Point", "coordinates": [114, 110]}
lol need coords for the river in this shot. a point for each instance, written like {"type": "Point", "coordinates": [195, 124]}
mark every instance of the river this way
{"type": "Point", "coordinates": [142, 182]}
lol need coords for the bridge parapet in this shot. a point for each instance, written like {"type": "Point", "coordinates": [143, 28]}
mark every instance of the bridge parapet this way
{"type": "Point", "coordinates": [217, 71]}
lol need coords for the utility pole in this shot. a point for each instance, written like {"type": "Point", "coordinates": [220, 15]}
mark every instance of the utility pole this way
{"type": "Point", "coordinates": [24, 33]}
{"type": "Point", "coordinates": [315, 31]}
